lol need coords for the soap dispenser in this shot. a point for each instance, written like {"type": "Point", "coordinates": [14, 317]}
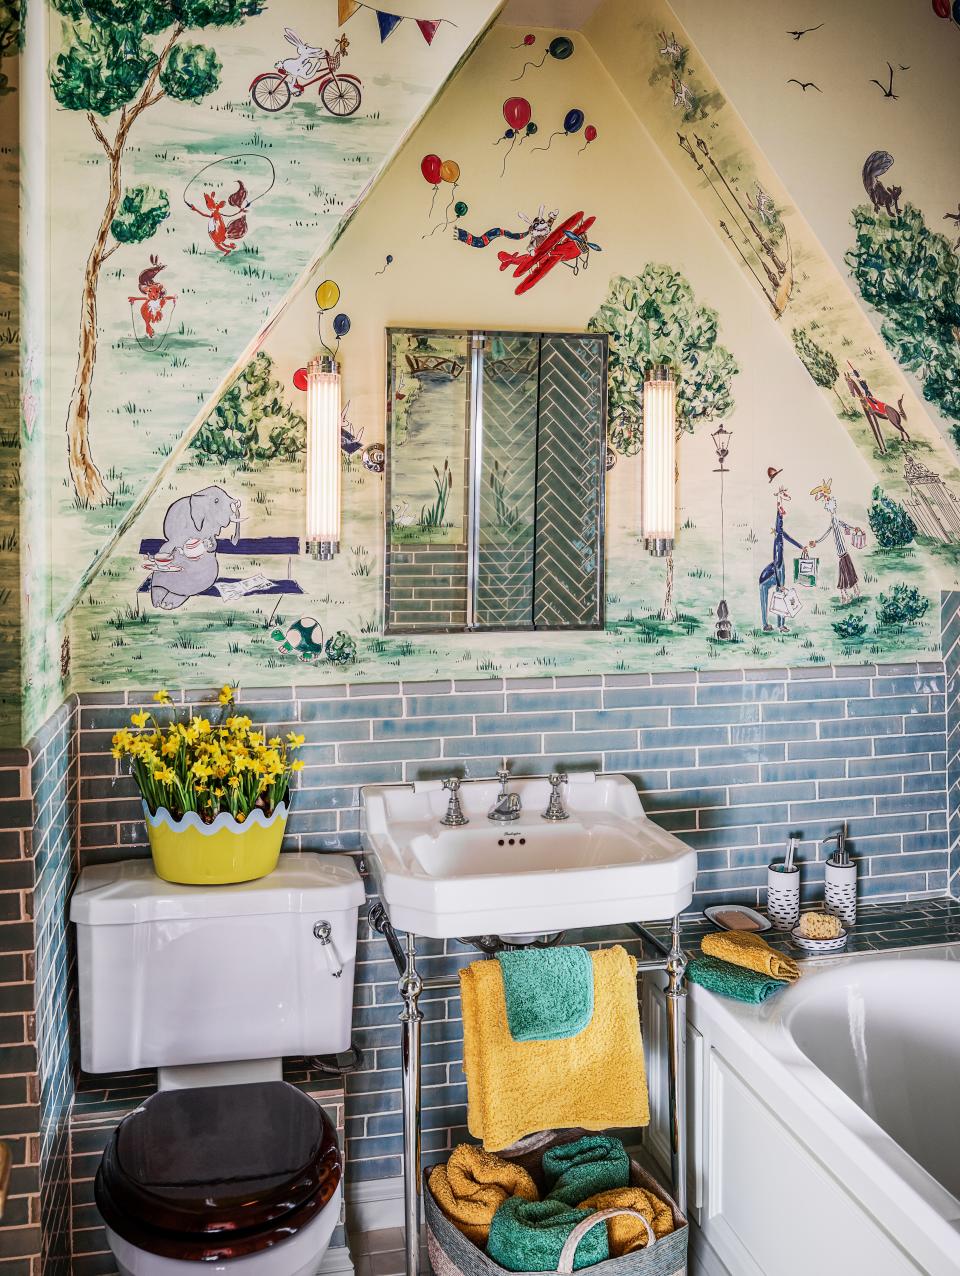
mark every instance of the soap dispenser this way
{"type": "Point", "coordinates": [840, 892]}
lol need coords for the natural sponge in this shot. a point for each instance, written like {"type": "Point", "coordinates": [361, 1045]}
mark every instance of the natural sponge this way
{"type": "Point", "coordinates": [820, 926]}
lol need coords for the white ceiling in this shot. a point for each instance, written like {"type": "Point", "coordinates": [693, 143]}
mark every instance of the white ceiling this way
{"type": "Point", "coordinates": [567, 15]}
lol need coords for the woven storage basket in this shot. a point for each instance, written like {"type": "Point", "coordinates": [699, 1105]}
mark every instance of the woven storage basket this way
{"type": "Point", "coordinates": [451, 1254]}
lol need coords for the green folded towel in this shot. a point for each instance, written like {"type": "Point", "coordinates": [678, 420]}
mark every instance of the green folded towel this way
{"type": "Point", "coordinates": [732, 981]}
{"type": "Point", "coordinates": [528, 1236]}
{"type": "Point", "coordinates": [548, 991]}
{"type": "Point", "coordinates": [595, 1163]}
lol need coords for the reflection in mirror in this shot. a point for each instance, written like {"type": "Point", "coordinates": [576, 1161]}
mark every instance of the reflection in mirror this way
{"type": "Point", "coordinates": [495, 470]}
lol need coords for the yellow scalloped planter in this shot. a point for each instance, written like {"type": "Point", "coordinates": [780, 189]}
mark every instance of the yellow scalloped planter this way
{"type": "Point", "coordinates": [191, 853]}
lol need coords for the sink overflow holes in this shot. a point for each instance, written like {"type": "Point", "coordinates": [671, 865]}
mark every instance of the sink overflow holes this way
{"type": "Point", "coordinates": [511, 841]}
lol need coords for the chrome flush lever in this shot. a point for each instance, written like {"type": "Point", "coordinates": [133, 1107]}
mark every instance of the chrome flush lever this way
{"type": "Point", "coordinates": [323, 931]}
{"type": "Point", "coordinates": [555, 812]}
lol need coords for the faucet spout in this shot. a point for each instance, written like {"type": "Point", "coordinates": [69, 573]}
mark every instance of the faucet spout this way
{"type": "Point", "coordinates": [507, 806]}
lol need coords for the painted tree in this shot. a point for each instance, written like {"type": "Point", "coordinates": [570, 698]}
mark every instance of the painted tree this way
{"type": "Point", "coordinates": [820, 363]}
{"type": "Point", "coordinates": [251, 424]}
{"type": "Point", "coordinates": [911, 276]}
{"type": "Point", "coordinates": [120, 58]}
{"type": "Point", "coordinates": [11, 38]}
{"type": "Point", "coordinates": [654, 318]}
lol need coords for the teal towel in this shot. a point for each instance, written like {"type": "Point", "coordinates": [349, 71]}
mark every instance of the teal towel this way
{"type": "Point", "coordinates": [595, 1163]}
{"type": "Point", "coordinates": [732, 981]}
{"type": "Point", "coordinates": [548, 991]}
{"type": "Point", "coordinates": [528, 1236]}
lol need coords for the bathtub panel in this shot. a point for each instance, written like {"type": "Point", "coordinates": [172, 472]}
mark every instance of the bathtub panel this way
{"type": "Point", "coordinates": [773, 1209]}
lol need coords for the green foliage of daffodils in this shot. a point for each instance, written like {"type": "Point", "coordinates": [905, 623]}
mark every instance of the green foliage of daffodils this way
{"type": "Point", "coordinates": [654, 318]}
{"type": "Point", "coordinates": [251, 423]}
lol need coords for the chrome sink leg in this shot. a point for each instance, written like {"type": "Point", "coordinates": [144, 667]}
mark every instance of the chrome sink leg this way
{"type": "Point", "coordinates": [411, 986]}
{"type": "Point", "coordinates": [676, 1000]}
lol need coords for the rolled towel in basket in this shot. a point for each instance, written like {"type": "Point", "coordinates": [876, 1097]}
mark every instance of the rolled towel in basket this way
{"type": "Point", "coordinates": [732, 981]}
{"type": "Point", "coordinates": [751, 952]}
{"type": "Point", "coordinates": [626, 1234]}
{"type": "Point", "coordinates": [595, 1163]}
{"type": "Point", "coordinates": [529, 1236]}
{"type": "Point", "coordinates": [594, 1080]}
{"type": "Point", "coordinates": [473, 1185]}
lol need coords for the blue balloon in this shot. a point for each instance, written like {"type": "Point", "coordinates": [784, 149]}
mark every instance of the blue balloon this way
{"type": "Point", "coordinates": [573, 121]}
{"type": "Point", "coordinates": [389, 258]}
{"type": "Point", "coordinates": [341, 325]}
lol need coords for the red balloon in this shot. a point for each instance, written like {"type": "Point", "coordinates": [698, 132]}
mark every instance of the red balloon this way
{"type": "Point", "coordinates": [941, 8]}
{"type": "Point", "coordinates": [430, 167]}
{"type": "Point", "coordinates": [517, 112]}
{"type": "Point", "coordinates": [590, 133]}
{"type": "Point", "coordinates": [300, 378]}
{"type": "Point", "coordinates": [529, 39]}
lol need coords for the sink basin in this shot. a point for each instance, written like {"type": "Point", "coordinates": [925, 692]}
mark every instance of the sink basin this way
{"type": "Point", "coordinates": [608, 863]}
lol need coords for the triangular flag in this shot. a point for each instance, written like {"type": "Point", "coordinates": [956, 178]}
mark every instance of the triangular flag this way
{"type": "Point", "coordinates": [428, 28]}
{"type": "Point", "coordinates": [387, 22]}
{"type": "Point", "coordinates": [346, 9]}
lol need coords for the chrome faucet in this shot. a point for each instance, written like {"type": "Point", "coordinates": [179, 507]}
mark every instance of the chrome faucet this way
{"type": "Point", "coordinates": [841, 856]}
{"type": "Point", "coordinates": [454, 816]}
{"type": "Point", "coordinates": [507, 805]}
{"type": "Point", "coordinates": [555, 812]}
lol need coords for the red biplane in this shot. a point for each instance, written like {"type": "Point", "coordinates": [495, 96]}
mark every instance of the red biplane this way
{"type": "Point", "coordinates": [566, 244]}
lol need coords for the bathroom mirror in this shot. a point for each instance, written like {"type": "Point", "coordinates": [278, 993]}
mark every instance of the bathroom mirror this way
{"type": "Point", "coordinates": [496, 447]}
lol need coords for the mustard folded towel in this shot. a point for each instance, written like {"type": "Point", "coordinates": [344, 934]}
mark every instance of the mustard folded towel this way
{"type": "Point", "coordinates": [473, 1185]}
{"type": "Point", "coordinates": [627, 1234]}
{"type": "Point", "coordinates": [595, 1080]}
{"type": "Point", "coordinates": [751, 952]}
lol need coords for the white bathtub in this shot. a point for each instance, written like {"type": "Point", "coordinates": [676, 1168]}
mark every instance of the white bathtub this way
{"type": "Point", "coordinates": [825, 1124]}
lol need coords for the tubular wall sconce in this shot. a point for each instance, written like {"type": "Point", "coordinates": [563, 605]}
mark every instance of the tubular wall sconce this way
{"type": "Point", "coordinates": [323, 457]}
{"type": "Point", "coordinates": [659, 459]}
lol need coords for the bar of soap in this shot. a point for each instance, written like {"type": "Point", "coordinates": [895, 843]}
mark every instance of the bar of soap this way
{"type": "Point", "coordinates": [820, 926]}
{"type": "Point", "coordinates": [734, 920]}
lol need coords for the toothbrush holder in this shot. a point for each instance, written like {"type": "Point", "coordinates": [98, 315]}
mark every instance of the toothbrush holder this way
{"type": "Point", "coordinates": [783, 895]}
{"type": "Point", "coordinates": [840, 891]}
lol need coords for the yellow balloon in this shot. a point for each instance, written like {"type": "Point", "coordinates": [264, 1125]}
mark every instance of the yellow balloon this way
{"type": "Point", "coordinates": [328, 294]}
{"type": "Point", "coordinates": [450, 171]}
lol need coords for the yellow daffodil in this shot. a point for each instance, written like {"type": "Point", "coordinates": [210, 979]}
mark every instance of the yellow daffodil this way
{"type": "Point", "coordinates": [140, 719]}
{"type": "Point", "coordinates": [294, 740]}
{"type": "Point", "coordinates": [296, 766]}
{"type": "Point", "coordinates": [162, 696]}
{"type": "Point", "coordinates": [226, 695]}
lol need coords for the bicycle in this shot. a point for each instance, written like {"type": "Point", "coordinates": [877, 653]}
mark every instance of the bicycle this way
{"type": "Point", "coordinates": [340, 94]}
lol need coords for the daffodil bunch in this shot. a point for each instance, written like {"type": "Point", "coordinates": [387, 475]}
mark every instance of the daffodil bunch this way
{"type": "Point", "coordinates": [205, 766]}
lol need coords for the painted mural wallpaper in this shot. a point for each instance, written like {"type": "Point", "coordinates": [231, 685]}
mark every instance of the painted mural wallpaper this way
{"type": "Point", "coordinates": [219, 233]}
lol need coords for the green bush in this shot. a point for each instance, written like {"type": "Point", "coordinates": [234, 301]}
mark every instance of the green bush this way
{"type": "Point", "coordinates": [851, 628]}
{"type": "Point", "coordinates": [903, 605]}
{"type": "Point", "coordinates": [889, 521]}
{"type": "Point", "coordinates": [251, 423]}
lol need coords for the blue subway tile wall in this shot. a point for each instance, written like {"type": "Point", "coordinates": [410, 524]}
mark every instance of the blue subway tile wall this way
{"type": "Point", "coordinates": [950, 645]}
{"type": "Point", "coordinates": [732, 761]}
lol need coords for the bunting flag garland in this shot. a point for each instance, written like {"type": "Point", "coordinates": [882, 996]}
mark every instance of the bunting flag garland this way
{"type": "Point", "coordinates": [387, 23]}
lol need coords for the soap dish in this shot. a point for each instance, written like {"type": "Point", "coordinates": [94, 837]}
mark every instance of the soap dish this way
{"type": "Point", "coordinates": [726, 916]}
{"type": "Point", "coordinates": [818, 945]}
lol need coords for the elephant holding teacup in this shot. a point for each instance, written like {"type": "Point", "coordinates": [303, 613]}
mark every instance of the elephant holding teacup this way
{"type": "Point", "coordinates": [186, 563]}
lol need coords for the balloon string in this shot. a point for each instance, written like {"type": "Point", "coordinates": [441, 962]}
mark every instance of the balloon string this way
{"type": "Point", "coordinates": [550, 142]}
{"type": "Point", "coordinates": [433, 201]}
{"type": "Point", "coordinates": [526, 64]}
{"type": "Point", "coordinates": [583, 148]}
{"type": "Point", "coordinates": [382, 268]}
{"type": "Point", "coordinates": [507, 156]}
{"type": "Point", "coordinates": [320, 335]}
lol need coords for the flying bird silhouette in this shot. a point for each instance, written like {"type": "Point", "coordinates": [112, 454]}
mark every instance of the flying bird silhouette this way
{"type": "Point", "coordinates": [953, 217]}
{"type": "Point", "coordinates": [806, 84]}
{"type": "Point", "coordinates": [888, 91]}
{"type": "Point", "coordinates": [806, 31]}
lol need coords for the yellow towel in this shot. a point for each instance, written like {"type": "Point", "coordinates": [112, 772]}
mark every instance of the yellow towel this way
{"type": "Point", "coordinates": [624, 1233]}
{"type": "Point", "coordinates": [751, 952]}
{"type": "Point", "coordinates": [593, 1080]}
{"type": "Point", "coordinates": [471, 1187]}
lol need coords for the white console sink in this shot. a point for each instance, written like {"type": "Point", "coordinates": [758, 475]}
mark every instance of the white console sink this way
{"type": "Point", "coordinates": [606, 864]}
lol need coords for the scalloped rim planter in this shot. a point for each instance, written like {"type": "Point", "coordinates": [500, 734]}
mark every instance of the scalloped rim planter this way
{"type": "Point", "coordinates": [191, 853]}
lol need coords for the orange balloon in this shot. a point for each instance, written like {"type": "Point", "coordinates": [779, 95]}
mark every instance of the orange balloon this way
{"type": "Point", "coordinates": [450, 171]}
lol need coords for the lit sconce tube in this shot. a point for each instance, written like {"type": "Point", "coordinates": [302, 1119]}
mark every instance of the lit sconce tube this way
{"type": "Point", "coordinates": [323, 457]}
{"type": "Point", "coordinates": [659, 459]}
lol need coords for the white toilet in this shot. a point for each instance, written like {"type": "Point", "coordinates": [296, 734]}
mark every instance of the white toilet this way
{"type": "Point", "coordinates": [227, 1168]}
